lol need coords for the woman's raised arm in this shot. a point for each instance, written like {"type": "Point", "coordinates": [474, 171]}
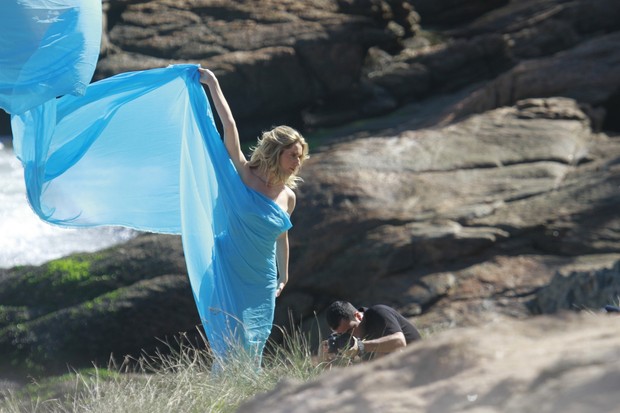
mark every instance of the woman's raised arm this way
{"type": "Point", "coordinates": [231, 134]}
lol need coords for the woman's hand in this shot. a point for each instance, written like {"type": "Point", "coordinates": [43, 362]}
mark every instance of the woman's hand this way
{"type": "Point", "coordinates": [280, 288]}
{"type": "Point", "coordinates": [207, 77]}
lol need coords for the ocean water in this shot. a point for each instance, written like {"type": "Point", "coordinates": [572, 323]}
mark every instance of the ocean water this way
{"type": "Point", "coordinates": [25, 238]}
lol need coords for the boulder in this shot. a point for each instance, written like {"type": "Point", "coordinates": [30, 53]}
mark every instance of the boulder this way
{"type": "Point", "coordinates": [89, 307]}
{"type": "Point", "coordinates": [453, 12]}
{"type": "Point", "coordinates": [541, 28]}
{"type": "Point", "coordinates": [489, 60]}
{"type": "Point", "coordinates": [587, 290]}
{"type": "Point", "coordinates": [569, 74]}
{"type": "Point", "coordinates": [274, 58]}
{"type": "Point", "coordinates": [416, 219]}
{"type": "Point", "coordinates": [414, 74]}
{"type": "Point", "coordinates": [567, 364]}
{"type": "Point", "coordinates": [313, 64]}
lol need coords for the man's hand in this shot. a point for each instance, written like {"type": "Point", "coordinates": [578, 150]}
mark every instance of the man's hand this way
{"type": "Point", "coordinates": [349, 352]}
{"type": "Point", "coordinates": [325, 354]}
{"type": "Point", "coordinates": [355, 349]}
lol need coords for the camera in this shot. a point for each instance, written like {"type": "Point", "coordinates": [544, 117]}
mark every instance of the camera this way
{"type": "Point", "coordinates": [337, 342]}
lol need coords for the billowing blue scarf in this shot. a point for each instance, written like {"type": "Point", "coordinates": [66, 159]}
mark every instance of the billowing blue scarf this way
{"type": "Point", "coordinates": [47, 49]}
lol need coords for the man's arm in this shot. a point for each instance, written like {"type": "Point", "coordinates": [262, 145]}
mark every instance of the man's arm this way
{"type": "Point", "coordinates": [385, 344]}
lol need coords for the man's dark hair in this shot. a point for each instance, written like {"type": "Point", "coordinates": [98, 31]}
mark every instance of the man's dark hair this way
{"type": "Point", "coordinates": [338, 311]}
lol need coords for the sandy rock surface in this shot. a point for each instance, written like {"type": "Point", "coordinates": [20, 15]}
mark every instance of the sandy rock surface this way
{"type": "Point", "coordinates": [567, 363]}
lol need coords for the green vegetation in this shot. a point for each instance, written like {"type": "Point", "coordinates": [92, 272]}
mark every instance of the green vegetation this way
{"type": "Point", "coordinates": [50, 287]}
{"type": "Point", "coordinates": [70, 270]}
{"type": "Point", "coordinates": [19, 289]}
{"type": "Point", "coordinates": [181, 381]}
{"type": "Point", "coordinates": [58, 272]}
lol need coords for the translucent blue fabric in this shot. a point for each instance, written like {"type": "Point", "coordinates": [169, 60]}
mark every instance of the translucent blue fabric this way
{"type": "Point", "coordinates": [141, 150]}
{"type": "Point", "coordinates": [47, 49]}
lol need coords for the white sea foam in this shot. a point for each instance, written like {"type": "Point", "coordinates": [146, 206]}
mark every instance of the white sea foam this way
{"type": "Point", "coordinates": [26, 239]}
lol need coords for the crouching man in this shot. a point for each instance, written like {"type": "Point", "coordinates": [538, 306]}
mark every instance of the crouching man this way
{"type": "Point", "coordinates": [366, 332]}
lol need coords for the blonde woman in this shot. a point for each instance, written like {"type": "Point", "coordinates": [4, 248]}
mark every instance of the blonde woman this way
{"type": "Point", "coordinates": [270, 176]}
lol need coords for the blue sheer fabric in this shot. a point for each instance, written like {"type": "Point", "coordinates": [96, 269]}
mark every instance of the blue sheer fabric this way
{"type": "Point", "coordinates": [47, 49]}
{"type": "Point", "coordinates": [141, 150]}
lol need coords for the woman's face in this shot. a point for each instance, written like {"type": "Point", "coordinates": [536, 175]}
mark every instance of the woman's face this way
{"type": "Point", "coordinates": [291, 158]}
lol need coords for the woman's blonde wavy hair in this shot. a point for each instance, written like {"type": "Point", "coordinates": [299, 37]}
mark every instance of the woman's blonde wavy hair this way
{"type": "Point", "coordinates": [266, 154]}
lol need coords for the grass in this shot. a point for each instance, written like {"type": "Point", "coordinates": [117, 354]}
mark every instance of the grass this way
{"type": "Point", "coordinates": [178, 381]}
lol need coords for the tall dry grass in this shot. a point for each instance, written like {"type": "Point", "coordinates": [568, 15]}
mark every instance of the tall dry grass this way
{"type": "Point", "coordinates": [181, 380]}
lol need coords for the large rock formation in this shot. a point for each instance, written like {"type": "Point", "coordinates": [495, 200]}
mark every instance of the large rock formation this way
{"type": "Point", "coordinates": [464, 220]}
{"type": "Point", "coordinates": [595, 87]}
{"type": "Point", "coordinates": [546, 365]}
{"type": "Point", "coordinates": [274, 57]}
{"type": "Point", "coordinates": [325, 62]}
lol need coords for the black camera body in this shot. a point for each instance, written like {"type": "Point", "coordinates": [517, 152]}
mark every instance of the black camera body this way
{"type": "Point", "coordinates": [337, 342]}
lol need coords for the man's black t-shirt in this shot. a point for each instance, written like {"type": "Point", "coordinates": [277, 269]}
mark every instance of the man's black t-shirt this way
{"type": "Point", "coordinates": [381, 320]}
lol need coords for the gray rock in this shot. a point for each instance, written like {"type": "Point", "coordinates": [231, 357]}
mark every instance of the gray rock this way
{"type": "Point", "coordinates": [309, 63]}
{"type": "Point", "coordinates": [588, 290]}
{"type": "Point", "coordinates": [450, 12]}
{"type": "Point", "coordinates": [274, 58]}
{"type": "Point", "coordinates": [541, 28]}
{"type": "Point", "coordinates": [568, 364]}
{"type": "Point", "coordinates": [569, 73]}
{"type": "Point", "coordinates": [379, 217]}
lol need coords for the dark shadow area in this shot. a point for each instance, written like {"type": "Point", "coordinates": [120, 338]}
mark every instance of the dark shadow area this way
{"type": "Point", "coordinates": [5, 124]}
{"type": "Point", "coordinates": [612, 118]}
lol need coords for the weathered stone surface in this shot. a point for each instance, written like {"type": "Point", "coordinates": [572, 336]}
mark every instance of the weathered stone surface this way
{"type": "Point", "coordinates": [449, 12]}
{"type": "Point", "coordinates": [415, 73]}
{"type": "Point", "coordinates": [570, 73]}
{"type": "Point", "coordinates": [327, 76]}
{"type": "Point", "coordinates": [565, 364]}
{"type": "Point", "coordinates": [579, 290]}
{"type": "Point", "coordinates": [383, 218]}
{"type": "Point", "coordinates": [273, 57]}
{"type": "Point", "coordinates": [540, 28]}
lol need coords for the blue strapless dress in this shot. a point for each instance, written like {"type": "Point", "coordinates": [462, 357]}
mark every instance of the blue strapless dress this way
{"type": "Point", "coordinates": [141, 150]}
